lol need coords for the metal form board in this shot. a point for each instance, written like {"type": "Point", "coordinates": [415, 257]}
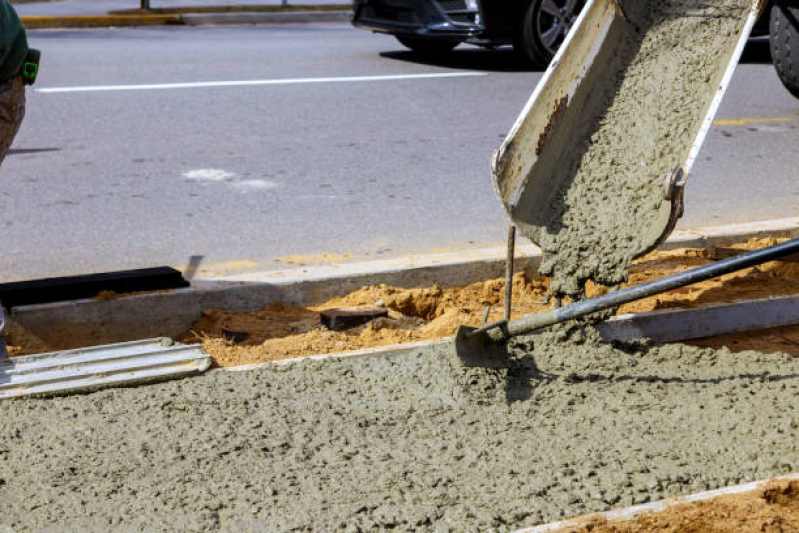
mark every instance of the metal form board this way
{"type": "Point", "coordinates": [672, 325]}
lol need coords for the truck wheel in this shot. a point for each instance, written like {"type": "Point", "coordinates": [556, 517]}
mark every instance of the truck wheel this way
{"type": "Point", "coordinates": [543, 27]}
{"type": "Point", "coordinates": [428, 47]}
{"type": "Point", "coordinates": [784, 37]}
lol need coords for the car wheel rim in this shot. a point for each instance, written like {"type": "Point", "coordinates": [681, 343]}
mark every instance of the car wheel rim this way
{"type": "Point", "coordinates": [554, 20]}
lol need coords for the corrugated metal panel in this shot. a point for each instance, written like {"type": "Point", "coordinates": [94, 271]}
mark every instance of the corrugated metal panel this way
{"type": "Point", "coordinates": [99, 366]}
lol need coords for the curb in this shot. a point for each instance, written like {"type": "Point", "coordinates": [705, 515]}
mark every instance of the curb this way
{"type": "Point", "coordinates": [98, 21]}
{"type": "Point", "coordinates": [169, 314]}
{"type": "Point", "coordinates": [296, 17]}
{"type": "Point", "coordinates": [189, 19]}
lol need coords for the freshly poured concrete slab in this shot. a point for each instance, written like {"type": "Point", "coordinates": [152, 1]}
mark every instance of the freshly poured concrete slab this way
{"type": "Point", "coordinates": [411, 443]}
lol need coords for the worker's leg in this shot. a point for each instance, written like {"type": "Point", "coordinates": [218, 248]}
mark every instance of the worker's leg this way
{"type": "Point", "coordinates": [12, 111]}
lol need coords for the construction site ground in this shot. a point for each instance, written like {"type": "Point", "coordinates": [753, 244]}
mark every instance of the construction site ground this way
{"type": "Point", "coordinates": [775, 507]}
{"type": "Point", "coordinates": [284, 332]}
{"type": "Point", "coordinates": [278, 331]}
{"type": "Point", "coordinates": [417, 442]}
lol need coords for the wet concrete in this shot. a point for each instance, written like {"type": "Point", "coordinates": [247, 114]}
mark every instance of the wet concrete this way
{"type": "Point", "coordinates": [595, 198]}
{"type": "Point", "coordinates": [415, 443]}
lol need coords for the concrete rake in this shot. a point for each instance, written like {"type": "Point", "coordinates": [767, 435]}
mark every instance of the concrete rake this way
{"type": "Point", "coordinates": [487, 346]}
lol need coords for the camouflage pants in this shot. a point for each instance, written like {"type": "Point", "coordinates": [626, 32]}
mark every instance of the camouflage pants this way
{"type": "Point", "coordinates": [12, 111]}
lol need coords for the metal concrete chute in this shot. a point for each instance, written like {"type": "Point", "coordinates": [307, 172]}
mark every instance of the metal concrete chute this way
{"type": "Point", "coordinates": [532, 165]}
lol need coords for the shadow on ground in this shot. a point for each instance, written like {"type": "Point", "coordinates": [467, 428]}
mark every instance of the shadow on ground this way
{"type": "Point", "coordinates": [503, 59]}
{"type": "Point", "coordinates": [467, 58]}
{"type": "Point", "coordinates": [757, 51]}
{"type": "Point", "coordinates": [23, 151]}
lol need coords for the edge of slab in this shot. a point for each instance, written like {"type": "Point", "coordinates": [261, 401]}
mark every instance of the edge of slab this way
{"type": "Point", "coordinates": [655, 507]}
{"type": "Point", "coordinates": [170, 313]}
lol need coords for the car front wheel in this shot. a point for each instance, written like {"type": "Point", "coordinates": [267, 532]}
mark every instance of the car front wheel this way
{"type": "Point", "coordinates": [430, 47]}
{"type": "Point", "coordinates": [543, 27]}
{"type": "Point", "coordinates": [784, 38]}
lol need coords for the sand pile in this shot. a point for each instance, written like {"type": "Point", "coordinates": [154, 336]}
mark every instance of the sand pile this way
{"type": "Point", "coordinates": [280, 332]}
{"type": "Point", "coordinates": [411, 443]}
{"type": "Point", "coordinates": [775, 508]}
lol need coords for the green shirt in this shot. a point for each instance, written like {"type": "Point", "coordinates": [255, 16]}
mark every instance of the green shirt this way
{"type": "Point", "coordinates": [13, 43]}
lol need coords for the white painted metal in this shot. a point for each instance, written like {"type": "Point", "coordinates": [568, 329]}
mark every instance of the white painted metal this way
{"type": "Point", "coordinates": [561, 79]}
{"type": "Point", "coordinates": [99, 366]}
{"type": "Point", "coordinates": [671, 325]}
{"type": "Point", "coordinates": [514, 166]}
{"type": "Point", "coordinates": [754, 12]}
{"type": "Point", "coordinates": [655, 507]}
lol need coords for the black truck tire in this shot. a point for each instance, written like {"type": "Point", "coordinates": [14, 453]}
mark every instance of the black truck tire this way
{"type": "Point", "coordinates": [784, 38]}
{"type": "Point", "coordinates": [542, 28]}
{"type": "Point", "coordinates": [526, 43]}
{"type": "Point", "coordinates": [428, 47]}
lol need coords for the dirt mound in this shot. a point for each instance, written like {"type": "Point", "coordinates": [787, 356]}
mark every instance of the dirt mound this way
{"type": "Point", "coordinates": [774, 509]}
{"type": "Point", "coordinates": [280, 332]}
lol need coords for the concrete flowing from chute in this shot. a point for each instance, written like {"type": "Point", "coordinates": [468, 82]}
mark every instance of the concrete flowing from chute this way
{"type": "Point", "coordinates": [595, 197]}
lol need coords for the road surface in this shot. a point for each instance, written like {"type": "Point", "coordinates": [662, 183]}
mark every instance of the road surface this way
{"type": "Point", "coordinates": [338, 146]}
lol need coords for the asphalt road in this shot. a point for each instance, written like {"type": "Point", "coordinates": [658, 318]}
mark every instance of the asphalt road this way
{"type": "Point", "coordinates": [246, 175]}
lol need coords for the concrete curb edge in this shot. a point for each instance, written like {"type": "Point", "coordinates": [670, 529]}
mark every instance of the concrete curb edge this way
{"type": "Point", "coordinates": [169, 314]}
{"type": "Point", "coordinates": [97, 21]}
{"type": "Point", "coordinates": [291, 17]}
{"type": "Point", "coordinates": [189, 19]}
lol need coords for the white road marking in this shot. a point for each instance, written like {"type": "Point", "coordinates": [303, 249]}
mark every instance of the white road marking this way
{"type": "Point", "coordinates": [209, 174]}
{"type": "Point", "coordinates": [255, 185]}
{"type": "Point", "coordinates": [286, 81]}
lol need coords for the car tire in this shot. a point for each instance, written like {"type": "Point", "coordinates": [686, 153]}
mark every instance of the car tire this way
{"type": "Point", "coordinates": [428, 47]}
{"type": "Point", "coordinates": [784, 38]}
{"type": "Point", "coordinates": [542, 28]}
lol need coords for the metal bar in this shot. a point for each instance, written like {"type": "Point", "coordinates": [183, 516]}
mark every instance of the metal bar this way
{"type": "Point", "coordinates": [3, 346]}
{"type": "Point", "coordinates": [37, 291]}
{"type": "Point", "coordinates": [509, 271]}
{"type": "Point", "coordinates": [534, 322]}
{"type": "Point", "coordinates": [684, 324]}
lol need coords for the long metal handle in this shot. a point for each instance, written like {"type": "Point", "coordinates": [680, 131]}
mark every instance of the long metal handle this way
{"type": "Point", "coordinates": [534, 322]}
{"type": "Point", "coordinates": [509, 271]}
